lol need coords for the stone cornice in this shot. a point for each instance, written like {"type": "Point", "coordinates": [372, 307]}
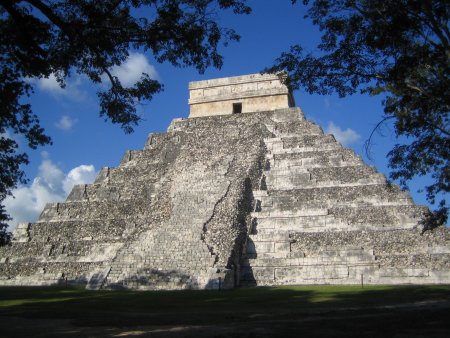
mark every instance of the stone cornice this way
{"type": "Point", "coordinates": [252, 78]}
{"type": "Point", "coordinates": [240, 95]}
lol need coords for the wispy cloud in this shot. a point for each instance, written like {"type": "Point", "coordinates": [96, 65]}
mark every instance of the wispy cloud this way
{"type": "Point", "coordinates": [50, 185]}
{"type": "Point", "coordinates": [345, 137]}
{"type": "Point", "coordinates": [50, 84]}
{"type": "Point", "coordinates": [6, 135]}
{"type": "Point", "coordinates": [131, 70]}
{"type": "Point", "coordinates": [65, 123]}
{"type": "Point", "coordinates": [73, 89]}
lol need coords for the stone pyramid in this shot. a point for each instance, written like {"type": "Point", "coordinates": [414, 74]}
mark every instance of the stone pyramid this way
{"type": "Point", "coordinates": [245, 191]}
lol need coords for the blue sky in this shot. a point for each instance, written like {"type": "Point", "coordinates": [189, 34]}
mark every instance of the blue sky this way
{"type": "Point", "coordinates": [83, 143]}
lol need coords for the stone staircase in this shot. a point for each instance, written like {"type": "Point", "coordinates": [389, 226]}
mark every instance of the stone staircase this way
{"type": "Point", "coordinates": [313, 186]}
{"type": "Point", "coordinates": [174, 255]}
{"type": "Point", "coordinates": [183, 251]}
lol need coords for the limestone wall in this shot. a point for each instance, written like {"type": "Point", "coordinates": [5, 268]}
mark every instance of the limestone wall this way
{"type": "Point", "coordinates": [249, 104]}
{"type": "Point", "coordinates": [254, 93]}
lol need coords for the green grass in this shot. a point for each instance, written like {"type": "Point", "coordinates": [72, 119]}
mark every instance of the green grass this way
{"type": "Point", "coordinates": [292, 297]}
{"type": "Point", "coordinates": [308, 309]}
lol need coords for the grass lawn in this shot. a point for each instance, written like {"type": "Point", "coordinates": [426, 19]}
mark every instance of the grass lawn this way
{"type": "Point", "coordinates": [302, 311]}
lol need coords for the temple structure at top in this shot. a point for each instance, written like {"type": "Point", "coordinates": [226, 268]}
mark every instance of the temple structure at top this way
{"type": "Point", "coordinates": [239, 94]}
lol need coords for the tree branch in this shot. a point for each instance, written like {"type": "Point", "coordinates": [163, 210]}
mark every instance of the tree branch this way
{"type": "Point", "coordinates": [55, 19]}
{"type": "Point", "coordinates": [18, 18]}
{"type": "Point", "coordinates": [47, 12]}
{"type": "Point", "coordinates": [110, 76]}
{"type": "Point", "coordinates": [435, 26]}
{"type": "Point", "coordinates": [368, 142]}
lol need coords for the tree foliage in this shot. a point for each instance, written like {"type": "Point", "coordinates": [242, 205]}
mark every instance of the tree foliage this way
{"type": "Point", "coordinates": [43, 38]}
{"type": "Point", "coordinates": [397, 48]}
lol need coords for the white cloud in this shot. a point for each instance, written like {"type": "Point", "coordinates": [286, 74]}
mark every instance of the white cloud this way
{"type": "Point", "coordinates": [80, 175]}
{"type": "Point", "coordinates": [50, 176]}
{"type": "Point", "coordinates": [131, 70]}
{"type": "Point", "coordinates": [50, 185]}
{"type": "Point", "coordinates": [72, 89]}
{"type": "Point", "coordinates": [50, 85]}
{"type": "Point", "coordinates": [345, 137]}
{"type": "Point", "coordinates": [7, 135]}
{"type": "Point", "coordinates": [65, 123]}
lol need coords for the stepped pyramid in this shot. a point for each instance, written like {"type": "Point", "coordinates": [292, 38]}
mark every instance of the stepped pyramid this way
{"type": "Point", "coordinates": [245, 191]}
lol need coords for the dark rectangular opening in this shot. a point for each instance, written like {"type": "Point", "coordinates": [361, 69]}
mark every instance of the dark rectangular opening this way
{"type": "Point", "coordinates": [237, 108]}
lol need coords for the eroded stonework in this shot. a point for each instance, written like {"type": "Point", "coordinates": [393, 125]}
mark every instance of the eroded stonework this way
{"type": "Point", "coordinates": [263, 198]}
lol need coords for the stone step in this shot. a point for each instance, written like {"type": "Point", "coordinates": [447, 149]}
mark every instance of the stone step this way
{"type": "Point", "coordinates": [129, 269]}
{"type": "Point", "coordinates": [343, 192]}
{"type": "Point", "coordinates": [307, 141]}
{"type": "Point", "coordinates": [403, 215]}
{"type": "Point", "coordinates": [150, 281]}
{"type": "Point", "coordinates": [299, 224]}
{"type": "Point", "coordinates": [156, 141]}
{"type": "Point", "coordinates": [293, 184]}
{"type": "Point", "coordinates": [329, 157]}
{"type": "Point", "coordinates": [258, 247]}
{"type": "Point", "coordinates": [189, 238]}
{"type": "Point", "coordinates": [353, 173]}
{"type": "Point", "coordinates": [259, 193]}
{"type": "Point", "coordinates": [299, 139]}
{"type": "Point", "coordinates": [172, 255]}
{"type": "Point", "coordinates": [279, 149]}
{"type": "Point", "coordinates": [274, 235]}
{"type": "Point", "coordinates": [122, 175]}
{"type": "Point", "coordinates": [296, 179]}
{"type": "Point", "coordinates": [164, 259]}
{"type": "Point", "coordinates": [329, 197]}
{"type": "Point", "coordinates": [106, 210]}
{"type": "Point", "coordinates": [290, 214]}
{"type": "Point", "coordinates": [294, 274]}
{"type": "Point", "coordinates": [156, 252]}
{"type": "Point", "coordinates": [97, 280]}
{"type": "Point", "coordinates": [287, 115]}
{"type": "Point", "coordinates": [287, 171]}
{"type": "Point", "coordinates": [299, 206]}
{"type": "Point", "coordinates": [161, 248]}
{"type": "Point", "coordinates": [315, 162]}
{"type": "Point", "coordinates": [92, 230]}
{"type": "Point", "coordinates": [328, 184]}
{"type": "Point", "coordinates": [358, 213]}
{"type": "Point", "coordinates": [113, 191]}
{"type": "Point", "coordinates": [320, 223]}
{"type": "Point", "coordinates": [288, 128]}
{"type": "Point", "coordinates": [264, 259]}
